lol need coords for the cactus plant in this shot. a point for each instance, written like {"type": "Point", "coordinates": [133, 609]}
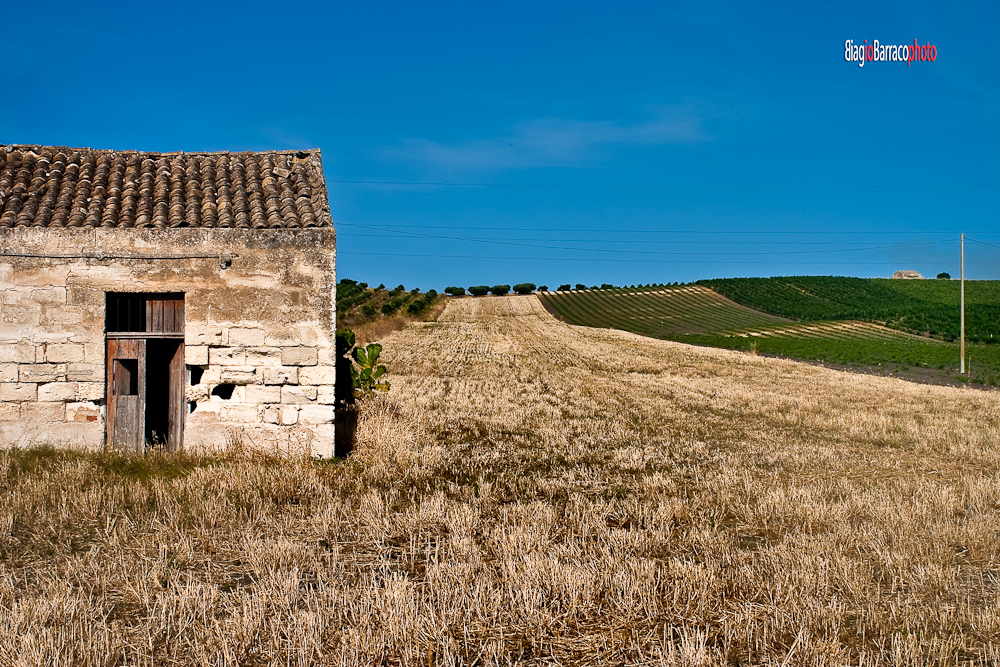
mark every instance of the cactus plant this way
{"type": "Point", "coordinates": [367, 371]}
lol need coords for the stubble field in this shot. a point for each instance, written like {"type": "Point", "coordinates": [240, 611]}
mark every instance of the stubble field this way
{"type": "Point", "coordinates": [537, 493]}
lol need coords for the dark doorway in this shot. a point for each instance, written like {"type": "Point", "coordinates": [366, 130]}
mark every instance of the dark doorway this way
{"type": "Point", "coordinates": [159, 355]}
{"type": "Point", "coordinates": [145, 364]}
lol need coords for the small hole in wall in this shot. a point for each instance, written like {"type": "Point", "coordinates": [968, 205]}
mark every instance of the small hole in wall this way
{"type": "Point", "coordinates": [192, 406]}
{"type": "Point", "coordinates": [196, 373]}
{"type": "Point", "coordinates": [224, 391]}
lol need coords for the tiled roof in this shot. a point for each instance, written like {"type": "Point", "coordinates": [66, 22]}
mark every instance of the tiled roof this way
{"type": "Point", "coordinates": [54, 186]}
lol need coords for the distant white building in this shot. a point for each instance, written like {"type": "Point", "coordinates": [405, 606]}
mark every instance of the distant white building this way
{"type": "Point", "coordinates": [907, 275]}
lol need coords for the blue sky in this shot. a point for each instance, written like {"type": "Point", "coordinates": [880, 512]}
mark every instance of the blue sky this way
{"type": "Point", "coordinates": [478, 143]}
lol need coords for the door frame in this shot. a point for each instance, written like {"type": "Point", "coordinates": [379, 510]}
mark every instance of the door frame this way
{"type": "Point", "coordinates": [163, 319]}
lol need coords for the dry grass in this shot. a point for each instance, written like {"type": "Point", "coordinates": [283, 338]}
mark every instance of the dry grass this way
{"type": "Point", "coordinates": [537, 493]}
{"type": "Point", "coordinates": [369, 331]}
{"type": "Point", "coordinates": [378, 328]}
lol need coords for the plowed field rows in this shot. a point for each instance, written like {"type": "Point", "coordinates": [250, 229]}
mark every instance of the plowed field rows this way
{"type": "Point", "coordinates": [671, 310]}
{"type": "Point", "coordinates": [846, 330]}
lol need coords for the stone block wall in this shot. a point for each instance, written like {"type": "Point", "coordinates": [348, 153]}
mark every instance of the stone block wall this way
{"type": "Point", "coordinates": [271, 381]}
{"type": "Point", "coordinates": [259, 334]}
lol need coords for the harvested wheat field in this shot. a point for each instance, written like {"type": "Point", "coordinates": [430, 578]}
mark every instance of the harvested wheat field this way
{"type": "Point", "coordinates": [536, 493]}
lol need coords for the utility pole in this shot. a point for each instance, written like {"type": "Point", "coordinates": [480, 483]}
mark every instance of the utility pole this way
{"type": "Point", "coordinates": [961, 363]}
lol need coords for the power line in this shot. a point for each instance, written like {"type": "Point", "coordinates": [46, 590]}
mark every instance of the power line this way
{"type": "Point", "coordinates": [406, 234]}
{"type": "Point", "coordinates": [631, 261]}
{"type": "Point", "coordinates": [982, 242]}
{"type": "Point", "coordinates": [671, 242]}
{"type": "Point", "coordinates": [655, 186]}
{"type": "Point", "coordinates": [651, 231]}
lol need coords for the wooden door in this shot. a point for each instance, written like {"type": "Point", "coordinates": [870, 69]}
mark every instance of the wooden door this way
{"type": "Point", "coordinates": [165, 313]}
{"type": "Point", "coordinates": [145, 370]}
{"type": "Point", "coordinates": [127, 394]}
{"type": "Point", "coordinates": [165, 317]}
{"type": "Point", "coordinates": [177, 401]}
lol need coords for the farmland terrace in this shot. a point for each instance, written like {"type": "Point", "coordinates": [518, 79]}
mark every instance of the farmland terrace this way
{"type": "Point", "coordinates": [543, 493]}
{"type": "Point", "coordinates": [903, 328]}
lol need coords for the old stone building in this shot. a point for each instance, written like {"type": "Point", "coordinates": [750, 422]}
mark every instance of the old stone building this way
{"type": "Point", "coordinates": [182, 299]}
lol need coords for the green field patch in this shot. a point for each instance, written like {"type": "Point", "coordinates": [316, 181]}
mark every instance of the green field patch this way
{"type": "Point", "coordinates": [905, 325]}
{"type": "Point", "coordinates": [917, 306]}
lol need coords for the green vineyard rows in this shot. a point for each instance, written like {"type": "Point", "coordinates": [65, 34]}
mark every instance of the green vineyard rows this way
{"type": "Point", "coordinates": [868, 322]}
{"type": "Point", "coordinates": [918, 306]}
{"type": "Point", "coordinates": [655, 311]}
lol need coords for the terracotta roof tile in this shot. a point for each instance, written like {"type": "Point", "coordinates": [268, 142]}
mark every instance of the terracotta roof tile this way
{"type": "Point", "coordinates": [53, 186]}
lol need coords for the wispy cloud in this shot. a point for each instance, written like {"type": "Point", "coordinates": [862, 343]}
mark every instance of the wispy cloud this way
{"type": "Point", "coordinates": [545, 142]}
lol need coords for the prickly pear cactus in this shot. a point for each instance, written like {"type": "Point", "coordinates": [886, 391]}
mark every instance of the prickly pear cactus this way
{"type": "Point", "coordinates": [367, 371]}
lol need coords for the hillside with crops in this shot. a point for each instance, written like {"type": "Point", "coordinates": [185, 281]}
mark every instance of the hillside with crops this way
{"type": "Point", "coordinates": [655, 311]}
{"type": "Point", "coordinates": [904, 327]}
{"type": "Point", "coordinates": [917, 306]}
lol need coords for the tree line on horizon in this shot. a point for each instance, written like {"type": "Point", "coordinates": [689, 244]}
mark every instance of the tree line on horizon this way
{"type": "Point", "coordinates": [528, 288]}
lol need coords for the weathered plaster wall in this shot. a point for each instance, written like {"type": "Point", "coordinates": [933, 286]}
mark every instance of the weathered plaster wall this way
{"type": "Point", "coordinates": [266, 325]}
